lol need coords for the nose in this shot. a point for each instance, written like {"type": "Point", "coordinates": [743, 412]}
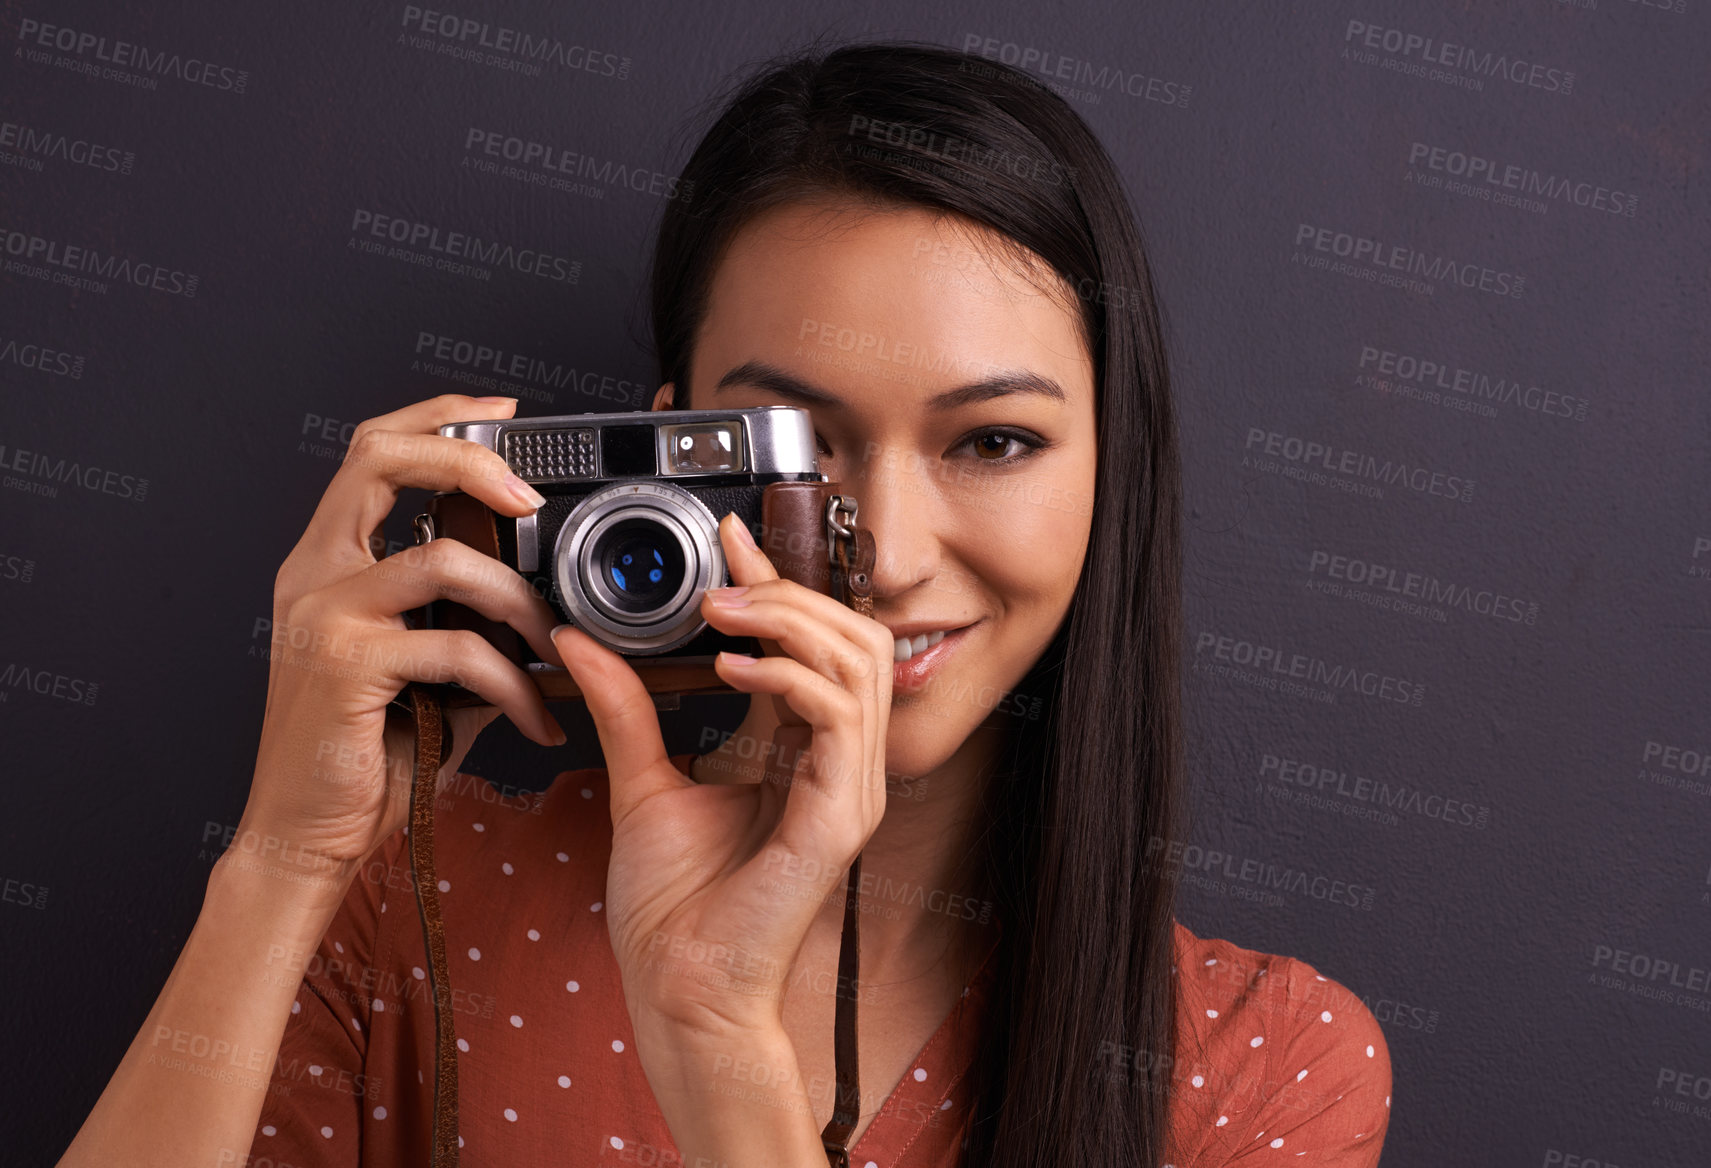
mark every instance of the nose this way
{"type": "Point", "coordinates": [898, 503]}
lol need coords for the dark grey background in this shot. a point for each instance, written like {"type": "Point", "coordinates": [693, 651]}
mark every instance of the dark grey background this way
{"type": "Point", "coordinates": [1535, 814]}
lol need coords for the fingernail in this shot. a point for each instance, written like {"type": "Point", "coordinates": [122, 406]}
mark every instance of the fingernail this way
{"type": "Point", "coordinates": [729, 597]}
{"type": "Point", "coordinates": [557, 629]}
{"type": "Point", "coordinates": [736, 658]}
{"type": "Point", "coordinates": [494, 400]}
{"type": "Point", "coordinates": [523, 490]}
{"type": "Point", "coordinates": [743, 532]}
{"type": "Point", "coordinates": [559, 731]}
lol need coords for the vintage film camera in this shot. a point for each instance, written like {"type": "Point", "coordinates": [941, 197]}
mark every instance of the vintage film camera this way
{"type": "Point", "coordinates": [627, 541]}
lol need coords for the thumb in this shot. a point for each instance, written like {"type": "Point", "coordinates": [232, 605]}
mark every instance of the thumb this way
{"type": "Point", "coordinates": [624, 717]}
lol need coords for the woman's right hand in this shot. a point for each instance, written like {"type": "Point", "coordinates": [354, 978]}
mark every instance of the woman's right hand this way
{"type": "Point", "coordinates": [333, 772]}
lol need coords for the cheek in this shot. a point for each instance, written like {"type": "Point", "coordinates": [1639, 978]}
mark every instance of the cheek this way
{"type": "Point", "coordinates": [1026, 551]}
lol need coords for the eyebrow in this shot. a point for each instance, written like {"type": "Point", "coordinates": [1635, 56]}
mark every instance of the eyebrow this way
{"type": "Point", "coordinates": [770, 377]}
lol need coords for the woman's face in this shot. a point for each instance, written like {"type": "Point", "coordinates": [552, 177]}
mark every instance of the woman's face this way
{"type": "Point", "coordinates": [954, 399]}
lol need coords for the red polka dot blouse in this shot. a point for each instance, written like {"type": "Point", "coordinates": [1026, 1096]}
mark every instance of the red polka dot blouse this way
{"type": "Point", "coordinates": [1275, 1063]}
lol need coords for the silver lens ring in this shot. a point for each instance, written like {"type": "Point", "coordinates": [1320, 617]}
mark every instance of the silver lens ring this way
{"type": "Point", "coordinates": [594, 606]}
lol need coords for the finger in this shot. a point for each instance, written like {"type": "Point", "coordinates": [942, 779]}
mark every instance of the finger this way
{"type": "Point", "coordinates": [428, 415]}
{"type": "Point", "coordinates": [450, 570]}
{"type": "Point", "coordinates": [749, 566]}
{"type": "Point", "coordinates": [625, 718]}
{"type": "Point", "coordinates": [326, 551]}
{"type": "Point", "coordinates": [837, 796]}
{"type": "Point", "coordinates": [805, 636]}
{"type": "Point", "coordinates": [437, 656]}
{"type": "Point", "coordinates": [752, 567]}
{"type": "Point", "coordinates": [746, 563]}
{"type": "Point", "coordinates": [381, 462]}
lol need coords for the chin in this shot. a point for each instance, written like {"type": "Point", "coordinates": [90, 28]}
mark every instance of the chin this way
{"type": "Point", "coordinates": [922, 735]}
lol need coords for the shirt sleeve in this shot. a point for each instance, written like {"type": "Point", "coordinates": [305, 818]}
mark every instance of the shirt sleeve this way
{"type": "Point", "coordinates": [1327, 1075]}
{"type": "Point", "coordinates": [314, 1108]}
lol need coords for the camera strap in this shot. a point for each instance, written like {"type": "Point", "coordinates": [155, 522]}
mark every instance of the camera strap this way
{"type": "Point", "coordinates": [851, 551]}
{"type": "Point", "coordinates": [433, 742]}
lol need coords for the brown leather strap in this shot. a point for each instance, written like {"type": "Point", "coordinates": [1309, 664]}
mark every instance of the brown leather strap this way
{"type": "Point", "coordinates": [433, 746]}
{"type": "Point", "coordinates": [846, 1108]}
{"type": "Point", "coordinates": [851, 584]}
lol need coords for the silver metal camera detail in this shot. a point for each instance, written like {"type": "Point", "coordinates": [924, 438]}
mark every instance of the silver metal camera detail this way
{"type": "Point", "coordinates": [780, 439]}
{"type": "Point", "coordinates": [635, 553]}
{"type": "Point", "coordinates": [596, 607]}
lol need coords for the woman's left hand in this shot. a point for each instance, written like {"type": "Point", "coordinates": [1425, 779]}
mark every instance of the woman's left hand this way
{"type": "Point", "coordinates": [712, 887]}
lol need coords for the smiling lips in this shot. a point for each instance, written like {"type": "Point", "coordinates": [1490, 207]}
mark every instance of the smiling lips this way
{"type": "Point", "coordinates": [918, 657]}
{"type": "Point", "coordinates": [907, 647]}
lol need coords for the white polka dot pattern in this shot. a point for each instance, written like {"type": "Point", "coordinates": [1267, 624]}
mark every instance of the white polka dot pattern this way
{"type": "Point", "coordinates": [544, 1041]}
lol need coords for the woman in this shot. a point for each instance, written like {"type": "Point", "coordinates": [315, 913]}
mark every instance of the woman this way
{"type": "Point", "coordinates": [933, 254]}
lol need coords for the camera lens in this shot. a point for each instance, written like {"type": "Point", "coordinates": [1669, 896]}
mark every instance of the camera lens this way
{"type": "Point", "coordinates": [631, 562]}
{"type": "Point", "coordinates": [641, 564]}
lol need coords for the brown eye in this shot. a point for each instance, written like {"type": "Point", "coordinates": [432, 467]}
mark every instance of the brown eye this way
{"type": "Point", "coordinates": [1003, 447]}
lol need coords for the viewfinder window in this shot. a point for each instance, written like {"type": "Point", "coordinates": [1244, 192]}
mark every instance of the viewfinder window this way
{"type": "Point", "coordinates": [704, 447]}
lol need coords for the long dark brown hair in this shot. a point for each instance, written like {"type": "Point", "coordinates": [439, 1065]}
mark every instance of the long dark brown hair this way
{"type": "Point", "coordinates": [1084, 1000]}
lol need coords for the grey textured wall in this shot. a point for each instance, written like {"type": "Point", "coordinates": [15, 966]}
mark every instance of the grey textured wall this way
{"type": "Point", "coordinates": [1435, 285]}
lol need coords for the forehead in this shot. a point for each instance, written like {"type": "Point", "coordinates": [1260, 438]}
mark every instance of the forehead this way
{"type": "Point", "coordinates": [901, 297]}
